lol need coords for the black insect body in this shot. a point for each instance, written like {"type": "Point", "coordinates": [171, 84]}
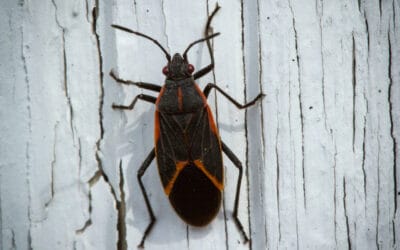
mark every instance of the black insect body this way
{"type": "Point", "coordinates": [188, 147]}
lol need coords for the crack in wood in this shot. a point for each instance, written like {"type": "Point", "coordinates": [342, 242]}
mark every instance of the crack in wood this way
{"type": "Point", "coordinates": [394, 15]}
{"type": "Point", "coordinates": [87, 11]}
{"type": "Point", "coordinates": [335, 196]}
{"type": "Point", "coordinates": [136, 14]}
{"type": "Point", "coordinates": [224, 212]}
{"type": "Point", "coordinates": [261, 106]}
{"type": "Point", "coordinates": [30, 239]}
{"type": "Point", "coordinates": [80, 158]}
{"type": "Point", "coordinates": [292, 151]}
{"type": "Point", "coordinates": [66, 91]}
{"type": "Point", "coordinates": [13, 242]}
{"type": "Point", "coordinates": [378, 193]}
{"type": "Point", "coordinates": [88, 222]}
{"type": "Point", "coordinates": [95, 178]}
{"type": "Point", "coordinates": [121, 208]}
{"type": "Point", "coordinates": [1, 218]}
{"type": "Point", "coordinates": [354, 82]}
{"type": "Point", "coordinates": [251, 58]}
{"type": "Point", "coordinates": [293, 160]}
{"type": "Point", "coordinates": [365, 116]}
{"type": "Point", "coordinates": [165, 25]}
{"type": "Point", "coordinates": [367, 31]}
{"type": "Point", "coordinates": [247, 173]}
{"type": "Point", "coordinates": [65, 71]}
{"type": "Point", "coordinates": [392, 135]}
{"type": "Point", "coordinates": [95, 15]}
{"type": "Point", "coordinates": [394, 233]}
{"type": "Point", "coordinates": [277, 171]}
{"type": "Point", "coordinates": [301, 108]}
{"type": "Point", "coordinates": [52, 165]}
{"type": "Point", "coordinates": [92, 181]}
{"type": "Point", "coordinates": [28, 143]}
{"type": "Point", "coordinates": [363, 162]}
{"type": "Point", "coordinates": [187, 237]}
{"type": "Point", "coordinates": [349, 245]}
{"type": "Point", "coordinates": [100, 172]}
{"type": "Point", "coordinates": [320, 16]}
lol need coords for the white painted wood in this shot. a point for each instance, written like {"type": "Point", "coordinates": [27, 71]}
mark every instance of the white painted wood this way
{"type": "Point", "coordinates": [320, 152]}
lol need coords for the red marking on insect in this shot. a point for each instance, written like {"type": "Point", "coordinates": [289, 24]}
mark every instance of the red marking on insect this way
{"type": "Point", "coordinates": [180, 99]}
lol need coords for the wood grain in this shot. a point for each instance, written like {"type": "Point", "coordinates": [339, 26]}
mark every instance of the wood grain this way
{"type": "Point", "coordinates": [320, 152]}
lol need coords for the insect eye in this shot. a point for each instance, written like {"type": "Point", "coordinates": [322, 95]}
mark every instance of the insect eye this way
{"type": "Point", "coordinates": [165, 70]}
{"type": "Point", "coordinates": [190, 68]}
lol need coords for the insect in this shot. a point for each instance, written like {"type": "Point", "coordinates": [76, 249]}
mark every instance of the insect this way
{"type": "Point", "coordinates": [188, 147]}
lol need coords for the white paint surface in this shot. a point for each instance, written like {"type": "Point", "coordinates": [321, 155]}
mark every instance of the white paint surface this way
{"type": "Point", "coordinates": [321, 151]}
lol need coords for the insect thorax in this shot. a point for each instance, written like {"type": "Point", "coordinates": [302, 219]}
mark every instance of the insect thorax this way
{"type": "Point", "coordinates": [180, 97]}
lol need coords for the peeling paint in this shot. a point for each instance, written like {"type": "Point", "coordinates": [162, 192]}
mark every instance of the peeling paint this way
{"type": "Point", "coordinates": [65, 70]}
{"type": "Point", "coordinates": [360, 148]}
{"type": "Point", "coordinates": [95, 178]}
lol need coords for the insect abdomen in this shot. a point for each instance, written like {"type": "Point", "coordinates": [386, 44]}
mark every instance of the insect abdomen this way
{"type": "Point", "coordinates": [194, 196]}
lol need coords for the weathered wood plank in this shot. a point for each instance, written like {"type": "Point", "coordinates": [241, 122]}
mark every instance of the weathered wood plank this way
{"type": "Point", "coordinates": [320, 152]}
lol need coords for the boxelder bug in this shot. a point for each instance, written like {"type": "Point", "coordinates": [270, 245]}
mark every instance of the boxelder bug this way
{"type": "Point", "coordinates": [187, 143]}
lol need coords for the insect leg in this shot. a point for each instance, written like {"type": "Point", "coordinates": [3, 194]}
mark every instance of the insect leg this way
{"type": "Point", "coordinates": [204, 71]}
{"type": "Point", "coordinates": [209, 67]}
{"type": "Point", "coordinates": [238, 164]}
{"type": "Point", "coordinates": [209, 86]}
{"type": "Point", "coordinates": [143, 85]}
{"type": "Point", "coordinates": [146, 98]}
{"type": "Point", "coordinates": [140, 173]}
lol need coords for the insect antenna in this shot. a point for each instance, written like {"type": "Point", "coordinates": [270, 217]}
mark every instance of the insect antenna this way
{"type": "Point", "coordinates": [198, 41]}
{"type": "Point", "coordinates": [145, 36]}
